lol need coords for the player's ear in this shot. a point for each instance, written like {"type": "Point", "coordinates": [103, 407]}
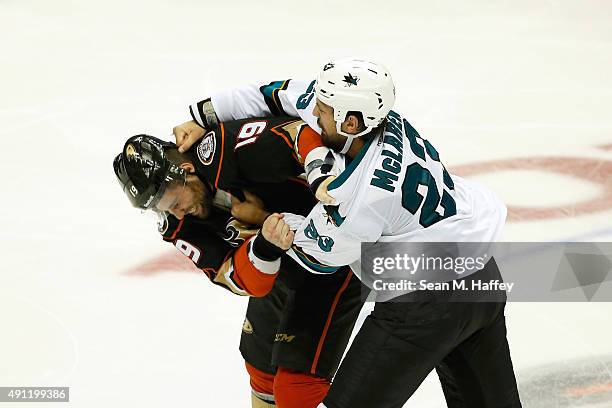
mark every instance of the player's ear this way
{"type": "Point", "coordinates": [189, 167]}
{"type": "Point", "coordinates": [351, 124]}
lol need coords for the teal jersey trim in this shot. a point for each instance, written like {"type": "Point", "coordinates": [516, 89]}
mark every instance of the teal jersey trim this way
{"type": "Point", "coordinates": [351, 167]}
{"type": "Point", "coordinates": [312, 263]}
{"type": "Point", "coordinates": [270, 94]}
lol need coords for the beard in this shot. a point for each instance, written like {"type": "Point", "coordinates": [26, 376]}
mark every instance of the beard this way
{"type": "Point", "coordinates": [331, 139]}
{"type": "Point", "coordinates": [202, 199]}
{"type": "Point", "coordinates": [336, 143]}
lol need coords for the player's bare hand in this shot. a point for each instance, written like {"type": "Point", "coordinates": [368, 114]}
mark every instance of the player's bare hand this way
{"type": "Point", "coordinates": [276, 231]}
{"type": "Point", "coordinates": [251, 210]}
{"type": "Point", "coordinates": [187, 134]}
{"type": "Point", "coordinates": [322, 193]}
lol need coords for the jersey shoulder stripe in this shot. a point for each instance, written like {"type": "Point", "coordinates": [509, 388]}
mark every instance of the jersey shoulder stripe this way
{"type": "Point", "coordinates": [311, 263]}
{"type": "Point", "coordinates": [271, 98]}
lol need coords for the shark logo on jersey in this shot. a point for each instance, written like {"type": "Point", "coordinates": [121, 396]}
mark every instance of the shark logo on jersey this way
{"type": "Point", "coordinates": [206, 148]}
{"type": "Point", "coordinates": [333, 216]}
{"type": "Point", "coordinates": [324, 242]}
{"type": "Point", "coordinates": [350, 80]}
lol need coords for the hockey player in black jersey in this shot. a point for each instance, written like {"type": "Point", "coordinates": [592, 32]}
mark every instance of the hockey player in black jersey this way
{"type": "Point", "coordinates": [297, 324]}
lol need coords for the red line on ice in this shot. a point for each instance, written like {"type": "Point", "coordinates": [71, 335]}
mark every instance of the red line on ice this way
{"type": "Point", "coordinates": [170, 261]}
{"type": "Point", "coordinates": [606, 147]}
{"type": "Point", "coordinates": [590, 390]}
{"type": "Point", "coordinates": [594, 170]}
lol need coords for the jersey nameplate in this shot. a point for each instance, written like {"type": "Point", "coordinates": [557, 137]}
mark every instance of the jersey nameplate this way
{"type": "Point", "coordinates": [386, 176]}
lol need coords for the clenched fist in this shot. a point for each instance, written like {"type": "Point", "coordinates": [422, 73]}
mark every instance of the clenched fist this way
{"type": "Point", "coordinates": [187, 134]}
{"type": "Point", "coordinates": [276, 231]}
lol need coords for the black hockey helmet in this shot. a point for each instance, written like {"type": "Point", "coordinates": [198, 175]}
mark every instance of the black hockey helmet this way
{"type": "Point", "coordinates": [144, 172]}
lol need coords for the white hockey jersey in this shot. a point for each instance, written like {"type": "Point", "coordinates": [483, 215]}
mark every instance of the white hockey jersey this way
{"type": "Point", "coordinates": [289, 97]}
{"type": "Point", "coordinates": [395, 189]}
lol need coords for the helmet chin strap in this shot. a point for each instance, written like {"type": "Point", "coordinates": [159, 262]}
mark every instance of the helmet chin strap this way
{"type": "Point", "coordinates": [349, 137]}
{"type": "Point", "coordinates": [347, 144]}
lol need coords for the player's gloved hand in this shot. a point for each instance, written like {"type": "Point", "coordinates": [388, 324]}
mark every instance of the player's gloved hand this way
{"type": "Point", "coordinates": [322, 194]}
{"type": "Point", "coordinates": [251, 210]}
{"type": "Point", "coordinates": [187, 134]}
{"type": "Point", "coordinates": [277, 232]}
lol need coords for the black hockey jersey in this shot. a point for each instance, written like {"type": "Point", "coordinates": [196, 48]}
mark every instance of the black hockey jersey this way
{"type": "Point", "coordinates": [257, 155]}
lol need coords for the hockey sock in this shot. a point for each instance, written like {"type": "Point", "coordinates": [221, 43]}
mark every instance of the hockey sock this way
{"type": "Point", "coordinates": [294, 389]}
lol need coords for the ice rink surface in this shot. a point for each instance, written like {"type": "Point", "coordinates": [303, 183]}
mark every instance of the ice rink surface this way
{"type": "Point", "coordinates": [517, 94]}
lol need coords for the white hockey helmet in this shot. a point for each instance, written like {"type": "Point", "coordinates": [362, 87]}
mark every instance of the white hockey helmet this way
{"type": "Point", "coordinates": [354, 84]}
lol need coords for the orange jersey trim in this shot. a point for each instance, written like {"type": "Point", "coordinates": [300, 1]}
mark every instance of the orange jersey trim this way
{"type": "Point", "coordinates": [287, 141]}
{"type": "Point", "coordinates": [248, 277]}
{"type": "Point", "coordinates": [307, 141]}
{"type": "Point", "coordinates": [222, 151]}
{"type": "Point", "coordinates": [176, 231]}
{"type": "Point", "coordinates": [283, 136]}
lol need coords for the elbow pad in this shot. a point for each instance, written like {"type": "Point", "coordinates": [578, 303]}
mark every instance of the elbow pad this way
{"type": "Point", "coordinates": [320, 163]}
{"type": "Point", "coordinates": [203, 113]}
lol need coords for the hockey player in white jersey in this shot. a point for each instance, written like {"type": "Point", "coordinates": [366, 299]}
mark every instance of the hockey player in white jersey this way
{"type": "Point", "coordinates": [395, 188]}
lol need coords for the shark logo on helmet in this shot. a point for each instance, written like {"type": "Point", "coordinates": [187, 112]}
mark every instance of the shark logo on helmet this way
{"type": "Point", "coordinates": [350, 80]}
